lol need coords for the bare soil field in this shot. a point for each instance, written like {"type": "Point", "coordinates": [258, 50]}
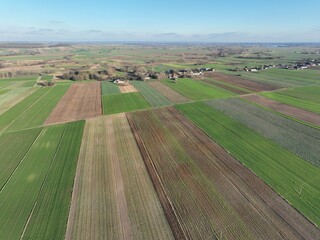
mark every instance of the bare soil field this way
{"type": "Point", "coordinates": [205, 192]}
{"type": "Point", "coordinates": [241, 82]}
{"type": "Point", "coordinates": [169, 93]}
{"type": "Point", "coordinates": [113, 196]}
{"type": "Point", "coordinates": [229, 88]}
{"type": "Point", "coordinates": [298, 113]}
{"type": "Point", "coordinates": [127, 88]}
{"type": "Point", "coordinates": [81, 101]}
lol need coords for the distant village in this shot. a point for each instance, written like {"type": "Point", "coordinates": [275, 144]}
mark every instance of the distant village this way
{"type": "Point", "coordinates": [297, 66]}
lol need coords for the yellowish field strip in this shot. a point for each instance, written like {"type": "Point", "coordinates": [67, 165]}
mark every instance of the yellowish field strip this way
{"type": "Point", "coordinates": [113, 196]}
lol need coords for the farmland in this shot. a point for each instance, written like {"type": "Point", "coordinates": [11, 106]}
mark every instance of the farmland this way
{"type": "Point", "coordinates": [109, 88]}
{"type": "Point", "coordinates": [196, 90]}
{"type": "Point", "coordinates": [243, 83]}
{"type": "Point", "coordinates": [304, 141]}
{"type": "Point", "coordinates": [167, 92]}
{"type": "Point", "coordinates": [186, 144]}
{"type": "Point", "coordinates": [200, 185]}
{"type": "Point", "coordinates": [288, 110]}
{"type": "Point", "coordinates": [283, 171]}
{"type": "Point", "coordinates": [112, 183]}
{"type": "Point", "coordinates": [80, 102]}
{"type": "Point", "coordinates": [124, 102]}
{"type": "Point", "coordinates": [307, 98]}
{"type": "Point", "coordinates": [153, 97]}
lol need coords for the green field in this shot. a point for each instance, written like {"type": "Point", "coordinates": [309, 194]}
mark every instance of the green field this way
{"type": "Point", "coordinates": [108, 88]}
{"type": "Point", "coordinates": [289, 175]}
{"type": "Point", "coordinates": [123, 102]}
{"type": "Point", "coordinates": [13, 147]}
{"type": "Point", "coordinates": [152, 96]}
{"type": "Point", "coordinates": [50, 215]}
{"type": "Point", "coordinates": [197, 90]}
{"type": "Point", "coordinates": [32, 111]}
{"type": "Point", "coordinates": [18, 197]}
{"type": "Point", "coordinates": [307, 97]}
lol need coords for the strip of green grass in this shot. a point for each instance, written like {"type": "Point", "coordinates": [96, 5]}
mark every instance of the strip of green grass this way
{"type": "Point", "coordinates": [13, 147]}
{"type": "Point", "coordinates": [19, 195]}
{"type": "Point", "coordinates": [152, 96]}
{"type": "Point", "coordinates": [50, 216]}
{"type": "Point", "coordinates": [197, 90]}
{"type": "Point", "coordinates": [307, 98]}
{"type": "Point", "coordinates": [293, 178]}
{"type": "Point", "coordinates": [38, 112]}
{"type": "Point", "coordinates": [108, 88]}
{"type": "Point", "coordinates": [124, 102]}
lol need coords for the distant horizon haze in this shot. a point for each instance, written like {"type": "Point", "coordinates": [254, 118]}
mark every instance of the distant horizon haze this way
{"type": "Point", "coordinates": [160, 21]}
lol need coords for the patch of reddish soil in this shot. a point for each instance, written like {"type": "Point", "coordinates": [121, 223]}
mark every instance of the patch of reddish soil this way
{"type": "Point", "coordinates": [81, 101]}
{"type": "Point", "coordinates": [298, 113]}
{"type": "Point", "coordinates": [241, 82]}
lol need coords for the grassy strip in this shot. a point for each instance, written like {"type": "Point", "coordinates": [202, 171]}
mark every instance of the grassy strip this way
{"type": "Point", "coordinates": [153, 96]}
{"type": "Point", "coordinates": [287, 174]}
{"type": "Point", "coordinates": [39, 111]}
{"type": "Point", "coordinates": [13, 147]}
{"type": "Point", "coordinates": [19, 195]}
{"type": "Point", "coordinates": [196, 90]}
{"type": "Point", "coordinates": [124, 102]}
{"type": "Point", "coordinates": [109, 88]}
{"type": "Point", "coordinates": [49, 218]}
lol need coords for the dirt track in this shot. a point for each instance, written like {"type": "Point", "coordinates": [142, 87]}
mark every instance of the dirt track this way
{"type": "Point", "coordinates": [285, 109]}
{"type": "Point", "coordinates": [205, 192]}
{"type": "Point", "coordinates": [241, 82]}
{"type": "Point", "coordinates": [81, 101]}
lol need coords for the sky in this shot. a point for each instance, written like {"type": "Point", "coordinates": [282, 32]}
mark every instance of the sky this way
{"type": "Point", "coordinates": [160, 20]}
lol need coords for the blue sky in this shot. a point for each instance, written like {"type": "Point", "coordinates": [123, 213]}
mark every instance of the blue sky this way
{"type": "Point", "coordinates": [161, 20]}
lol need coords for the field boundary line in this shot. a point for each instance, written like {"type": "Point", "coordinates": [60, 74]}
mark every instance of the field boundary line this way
{"type": "Point", "coordinates": [26, 110]}
{"type": "Point", "coordinates": [21, 160]}
{"type": "Point", "coordinates": [42, 184]}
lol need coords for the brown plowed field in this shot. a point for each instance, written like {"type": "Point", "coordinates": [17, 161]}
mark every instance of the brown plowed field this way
{"type": "Point", "coordinates": [229, 88]}
{"type": "Point", "coordinates": [169, 93]}
{"type": "Point", "coordinates": [127, 88]}
{"type": "Point", "coordinates": [285, 109]}
{"type": "Point", "coordinates": [241, 82]}
{"type": "Point", "coordinates": [81, 101]}
{"type": "Point", "coordinates": [113, 195]}
{"type": "Point", "coordinates": [205, 192]}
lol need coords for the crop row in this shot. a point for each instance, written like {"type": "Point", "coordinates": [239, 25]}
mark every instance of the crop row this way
{"type": "Point", "coordinates": [123, 102]}
{"type": "Point", "coordinates": [113, 196]}
{"type": "Point", "coordinates": [205, 192]}
{"type": "Point", "coordinates": [197, 90]}
{"type": "Point", "coordinates": [290, 176]}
